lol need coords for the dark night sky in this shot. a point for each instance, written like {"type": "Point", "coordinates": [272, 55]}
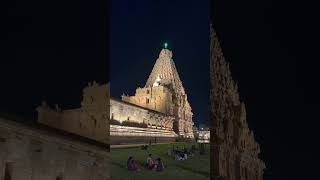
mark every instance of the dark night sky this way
{"type": "Point", "coordinates": [272, 47]}
{"type": "Point", "coordinates": [138, 31]}
{"type": "Point", "coordinates": [50, 50]}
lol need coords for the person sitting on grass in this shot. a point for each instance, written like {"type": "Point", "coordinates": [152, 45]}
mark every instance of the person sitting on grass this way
{"type": "Point", "coordinates": [150, 162]}
{"type": "Point", "coordinates": [131, 165]}
{"type": "Point", "coordinates": [179, 155]}
{"type": "Point", "coordinates": [144, 147]}
{"type": "Point", "coordinates": [158, 165]}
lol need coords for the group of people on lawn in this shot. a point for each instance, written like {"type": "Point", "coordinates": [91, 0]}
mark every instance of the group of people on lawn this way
{"type": "Point", "coordinates": [151, 163]}
{"type": "Point", "coordinates": [157, 164]}
{"type": "Point", "coordinates": [182, 154]}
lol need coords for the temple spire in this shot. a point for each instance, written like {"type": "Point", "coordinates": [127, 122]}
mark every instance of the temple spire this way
{"type": "Point", "coordinates": [165, 73]}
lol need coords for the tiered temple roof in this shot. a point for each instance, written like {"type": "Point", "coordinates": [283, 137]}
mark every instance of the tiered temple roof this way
{"type": "Point", "coordinates": [165, 69]}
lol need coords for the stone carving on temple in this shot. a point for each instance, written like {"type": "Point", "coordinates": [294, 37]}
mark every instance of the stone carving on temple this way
{"type": "Point", "coordinates": [235, 153]}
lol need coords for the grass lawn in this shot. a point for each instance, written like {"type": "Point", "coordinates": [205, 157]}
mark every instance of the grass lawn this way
{"type": "Point", "coordinates": [194, 168]}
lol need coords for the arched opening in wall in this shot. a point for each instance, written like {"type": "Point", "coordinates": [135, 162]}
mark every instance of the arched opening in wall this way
{"type": "Point", "coordinates": [8, 171]}
{"type": "Point", "coordinates": [148, 101]}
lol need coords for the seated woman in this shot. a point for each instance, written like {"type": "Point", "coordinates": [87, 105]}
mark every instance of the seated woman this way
{"type": "Point", "coordinates": [158, 165]}
{"type": "Point", "coordinates": [131, 165]}
{"type": "Point", "coordinates": [150, 162]}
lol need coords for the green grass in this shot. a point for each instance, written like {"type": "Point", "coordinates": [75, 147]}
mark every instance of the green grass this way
{"type": "Point", "coordinates": [196, 167]}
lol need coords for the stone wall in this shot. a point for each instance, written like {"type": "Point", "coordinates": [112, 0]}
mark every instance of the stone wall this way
{"type": "Point", "coordinates": [123, 111]}
{"type": "Point", "coordinates": [156, 98]}
{"type": "Point", "coordinates": [235, 153]}
{"type": "Point", "coordinates": [123, 134]}
{"type": "Point", "coordinates": [91, 120]}
{"type": "Point", "coordinates": [43, 153]}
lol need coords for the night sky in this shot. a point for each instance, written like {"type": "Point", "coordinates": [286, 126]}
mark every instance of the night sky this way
{"type": "Point", "coordinates": [139, 29]}
{"type": "Point", "coordinates": [50, 50]}
{"type": "Point", "coordinates": [273, 50]}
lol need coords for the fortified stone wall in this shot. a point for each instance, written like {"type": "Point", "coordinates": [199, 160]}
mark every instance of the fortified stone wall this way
{"type": "Point", "coordinates": [122, 111]}
{"type": "Point", "coordinates": [91, 120]}
{"type": "Point", "coordinates": [33, 153]}
{"type": "Point", "coordinates": [234, 149]}
{"type": "Point", "coordinates": [50, 116]}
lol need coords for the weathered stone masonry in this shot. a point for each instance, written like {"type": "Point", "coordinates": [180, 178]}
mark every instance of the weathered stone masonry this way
{"type": "Point", "coordinates": [91, 120]}
{"type": "Point", "coordinates": [234, 149]}
{"type": "Point", "coordinates": [35, 152]}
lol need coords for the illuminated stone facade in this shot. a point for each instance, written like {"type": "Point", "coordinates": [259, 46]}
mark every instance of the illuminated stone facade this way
{"type": "Point", "coordinates": [122, 111]}
{"type": "Point", "coordinates": [164, 93]}
{"type": "Point", "coordinates": [35, 152]}
{"type": "Point", "coordinates": [158, 125]}
{"type": "Point", "coordinates": [91, 120]}
{"type": "Point", "coordinates": [235, 153]}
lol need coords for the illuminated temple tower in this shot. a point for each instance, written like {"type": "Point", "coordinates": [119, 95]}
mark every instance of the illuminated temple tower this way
{"type": "Point", "coordinates": [164, 93]}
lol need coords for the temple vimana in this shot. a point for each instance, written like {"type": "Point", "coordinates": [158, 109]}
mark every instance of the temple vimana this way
{"type": "Point", "coordinates": [234, 151]}
{"type": "Point", "coordinates": [161, 107]}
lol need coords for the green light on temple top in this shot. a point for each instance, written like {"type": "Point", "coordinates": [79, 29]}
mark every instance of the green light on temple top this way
{"type": "Point", "coordinates": [165, 45]}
